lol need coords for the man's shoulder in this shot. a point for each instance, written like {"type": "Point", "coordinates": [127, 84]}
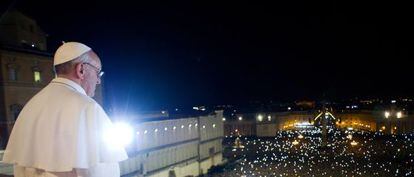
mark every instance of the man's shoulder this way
{"type": "Point", "coordinates": [51, 95]}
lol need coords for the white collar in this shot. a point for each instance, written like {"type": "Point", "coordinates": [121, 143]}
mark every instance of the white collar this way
{"type": "Point", "coordinates": [69, 83]}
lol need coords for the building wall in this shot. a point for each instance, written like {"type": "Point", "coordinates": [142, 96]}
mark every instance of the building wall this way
{"type": "Point", "coordinates": [266, 130]}
{"type": "Point", "coordinates": [236, 127]}
{"type": "Point", "coordinates": [394, 125]}
{"type": "Point", "coordinates": [211, 127]}
{"type": "Point", "coordinates": [167, 132]}
{"type": "Point", "coordinates": [22, 49]}
{"type": "Point", "coordinates": [208, 163]}
{"type": "Point", "coordinates": [358, 119]}
{"type": "Point", "coordinates": [362, 121]}
{"type": "Point", "coordinates": [163, 149]}
{"type": "Point", "coordinates": [15, 93]}
{"type": "Point", "coordinates": [210, 148]}
{"type": "Point", "coordinates": [18, 30]}
{"type": "Point", "coordinates": [211, 137]}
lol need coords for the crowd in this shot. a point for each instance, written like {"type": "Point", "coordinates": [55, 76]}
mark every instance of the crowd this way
{"type": "Point", "coordinates": [300, 153]}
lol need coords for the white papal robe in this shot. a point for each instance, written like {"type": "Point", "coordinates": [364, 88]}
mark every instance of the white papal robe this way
{"type": "Point", "coordinates": [59, 133]}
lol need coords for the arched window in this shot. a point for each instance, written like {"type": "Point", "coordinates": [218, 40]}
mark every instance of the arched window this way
{"type": "Point", "coordinates": [12, 74]}
{"type": "Point", "coordinates": [12, 71]}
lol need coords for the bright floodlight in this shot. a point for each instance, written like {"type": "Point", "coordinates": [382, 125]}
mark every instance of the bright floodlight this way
{"type": "Point", "coordinates": [399, 114]}
{"type": "Point", "coordinates": [260, 117]}
{"type": "Point", "coordinates": [119, 135]}
{"type": "Point", "coordinates": [387, 114]}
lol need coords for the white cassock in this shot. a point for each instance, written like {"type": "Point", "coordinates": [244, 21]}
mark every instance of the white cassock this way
{"type": "Point", "coordinates": [59, 134]}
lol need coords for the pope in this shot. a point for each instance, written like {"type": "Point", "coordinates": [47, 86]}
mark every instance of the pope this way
{"type": "Point", "coordinates": [59, 132]}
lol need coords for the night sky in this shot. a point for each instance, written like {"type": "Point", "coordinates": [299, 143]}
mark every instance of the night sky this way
{"type": "Point", "coordinates": [166, 54]}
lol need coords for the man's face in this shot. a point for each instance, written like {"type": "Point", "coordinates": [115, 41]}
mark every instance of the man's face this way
{"type": "Point", "coordinates": [91, 71]}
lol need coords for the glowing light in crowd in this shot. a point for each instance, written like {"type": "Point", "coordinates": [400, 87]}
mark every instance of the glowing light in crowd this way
{"type": "Point", "coordinates": [354, 143]}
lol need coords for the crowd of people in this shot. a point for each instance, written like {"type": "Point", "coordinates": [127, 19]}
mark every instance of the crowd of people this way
{"type": "Point", "coordinates": [303, 153]}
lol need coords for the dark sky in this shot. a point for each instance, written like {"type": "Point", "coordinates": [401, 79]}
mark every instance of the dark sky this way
{"type": "Point", "coordinates": [168, 54]}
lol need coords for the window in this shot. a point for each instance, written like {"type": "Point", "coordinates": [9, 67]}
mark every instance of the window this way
{"type": "Point", "coordinates": [37, 76]}
{"type": "Point", "coordinates": [15, 110]}
{"type": "Point", "coordinates": [12, 74]}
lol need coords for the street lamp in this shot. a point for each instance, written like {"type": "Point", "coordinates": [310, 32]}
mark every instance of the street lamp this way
{"type": "Point", "coordinates": [399, 114]}
{"type": "Point", "coordinates": [388, 115]}
{"type": "Point", "coordinates": [260, 118]}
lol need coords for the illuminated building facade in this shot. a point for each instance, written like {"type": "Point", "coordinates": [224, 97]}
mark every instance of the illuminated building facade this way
{"type": "Point", "coordinates": [267, 124]}
{"type": "Point", "coordinates": [176, 147]}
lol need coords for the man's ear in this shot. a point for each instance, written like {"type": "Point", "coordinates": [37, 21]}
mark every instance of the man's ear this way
{"type": "Point", "coordinates": [79, 69]}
